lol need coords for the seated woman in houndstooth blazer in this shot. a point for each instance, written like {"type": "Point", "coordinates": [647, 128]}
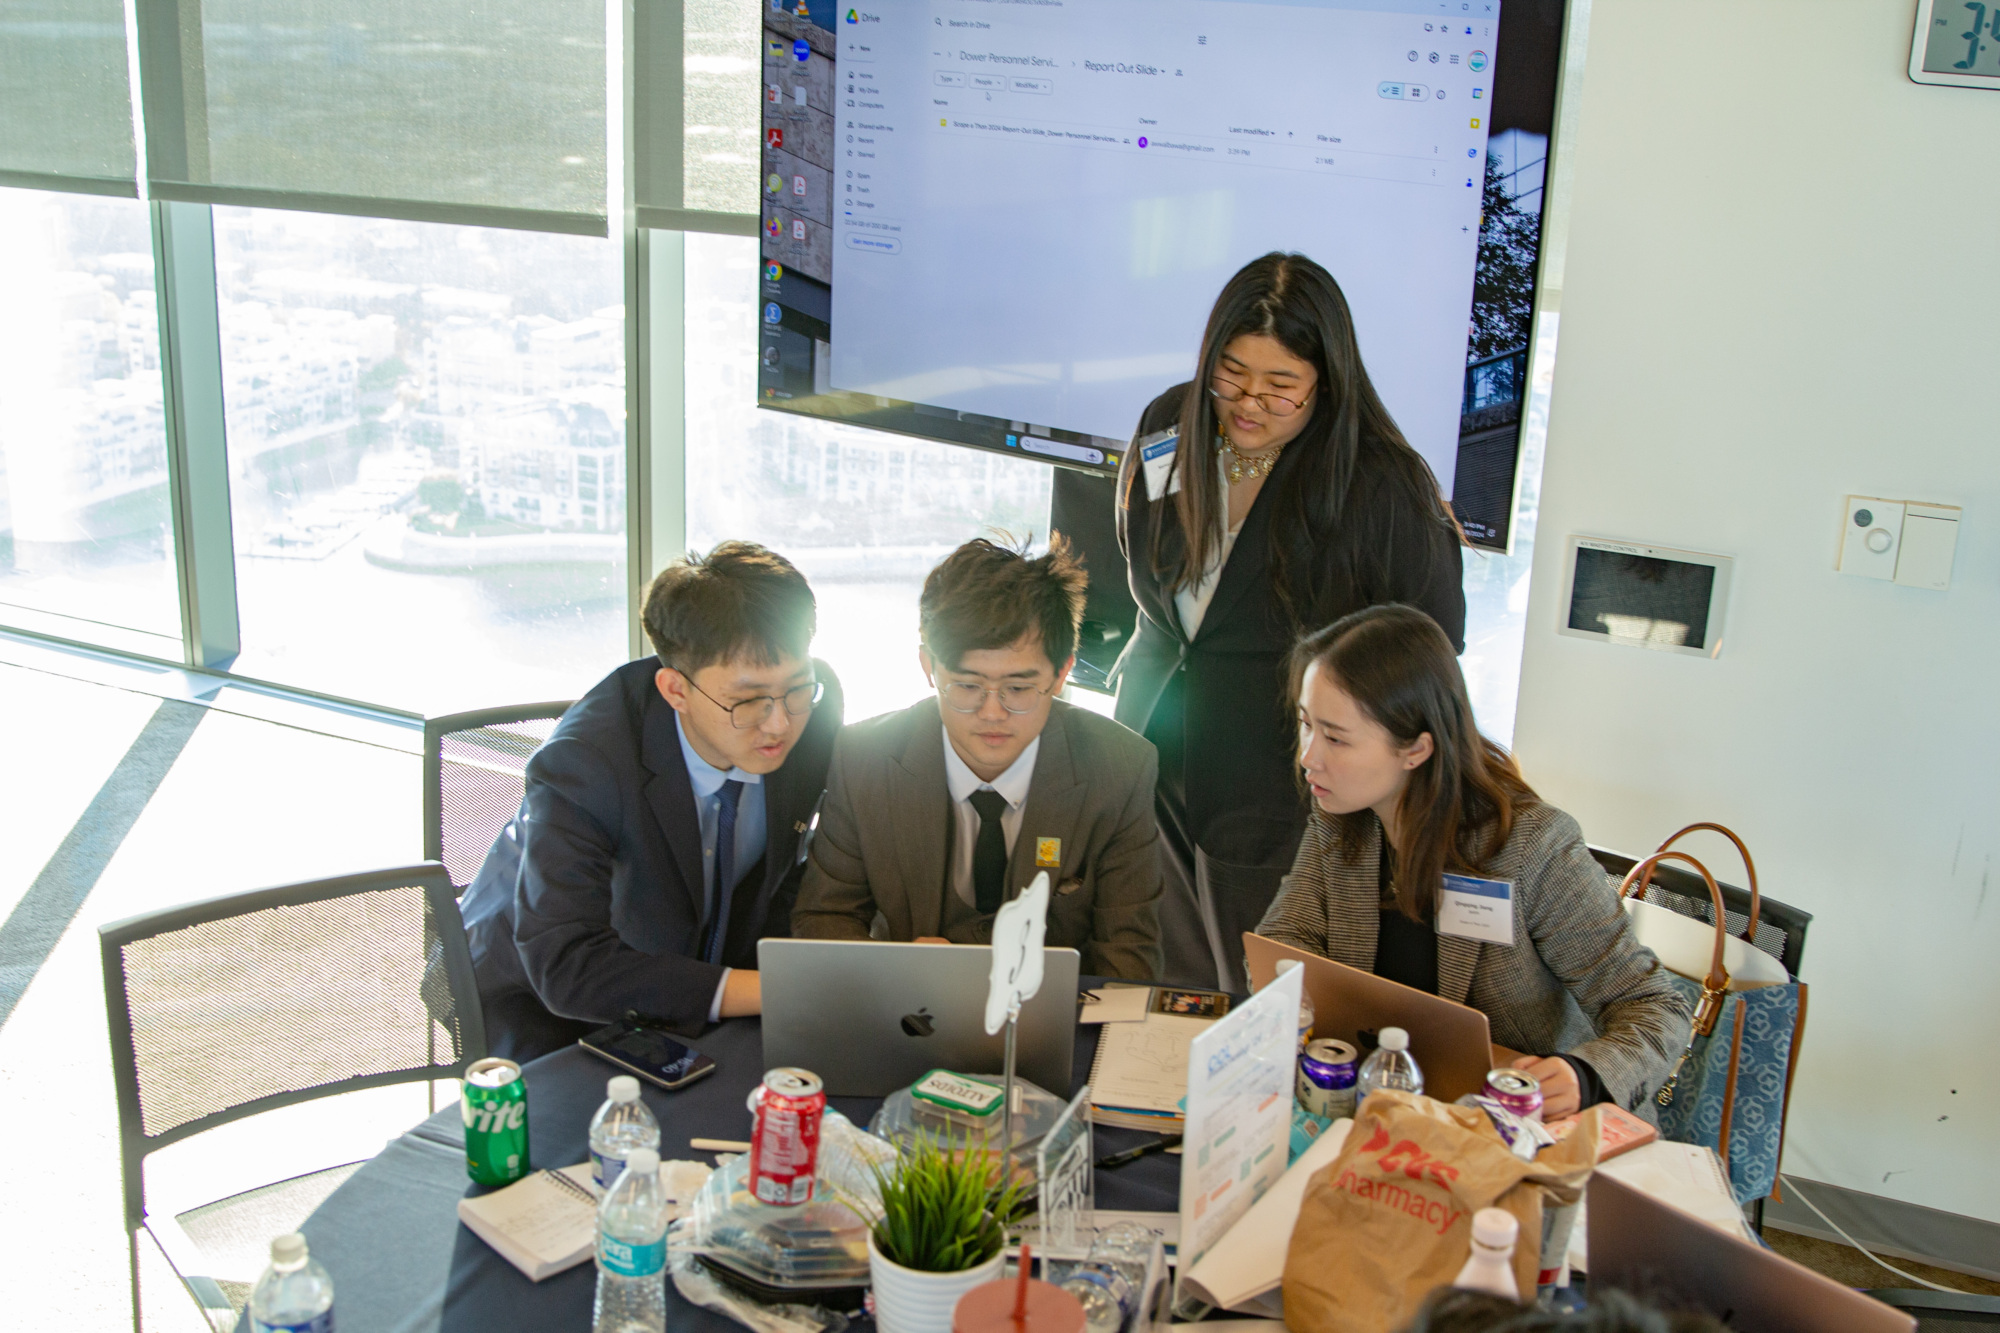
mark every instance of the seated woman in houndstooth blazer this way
{"type": "Point", "coordinates": [1409, 792]}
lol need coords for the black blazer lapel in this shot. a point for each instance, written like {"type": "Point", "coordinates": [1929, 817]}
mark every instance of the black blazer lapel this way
{"type": "Point", "coordinates": [922, 816]}
{"type": "Point", "coordinates": [671, 797]}
{"type": "Point", "coordinates": [1250, 558]}
{"type": "Point", "coordinates": [1050, 813]}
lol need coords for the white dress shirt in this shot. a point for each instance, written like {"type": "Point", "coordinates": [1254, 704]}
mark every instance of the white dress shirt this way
{"type": "Point", "coordinates": [1192, 601]}
{"type": "Point", "coordinates": [962, 782]}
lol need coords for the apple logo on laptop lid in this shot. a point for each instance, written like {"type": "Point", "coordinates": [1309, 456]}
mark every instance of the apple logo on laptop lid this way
{"type": "Point", "coordinates": [919, 1024]}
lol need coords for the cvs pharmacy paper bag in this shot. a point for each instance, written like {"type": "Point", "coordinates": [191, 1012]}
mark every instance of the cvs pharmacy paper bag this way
{"type": "Point", "coordinates": [1391, 1218]}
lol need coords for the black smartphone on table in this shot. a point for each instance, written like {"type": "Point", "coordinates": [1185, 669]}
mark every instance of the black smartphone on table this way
{"type": "Point", "coordinates": [649, 1052]}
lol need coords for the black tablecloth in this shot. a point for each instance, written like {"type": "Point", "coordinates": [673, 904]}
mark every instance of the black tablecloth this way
{"type": "Point", "coordinates": [390, 1234]}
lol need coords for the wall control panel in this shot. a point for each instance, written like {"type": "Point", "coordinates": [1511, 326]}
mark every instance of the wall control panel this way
{"type": "Point", "coordinates": [1898, 541]}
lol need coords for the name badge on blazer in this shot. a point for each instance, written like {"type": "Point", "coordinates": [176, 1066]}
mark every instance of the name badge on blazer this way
{"type": "Point", "coordinates": [1156, 460]}
{"type": "Point", "coordinates": [1477, 909]}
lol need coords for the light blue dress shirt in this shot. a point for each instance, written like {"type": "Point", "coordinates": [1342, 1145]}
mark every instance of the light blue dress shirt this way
{"type": "Point", "coordinates": [707, 780]}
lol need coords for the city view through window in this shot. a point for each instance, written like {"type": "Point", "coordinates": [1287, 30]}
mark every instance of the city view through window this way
{"type": "Point", "coordinates": [427, 461]}
{"type": "Point", "coordinates": [427, 456]}
{"type": "Point", "coordinates": [85, 541]}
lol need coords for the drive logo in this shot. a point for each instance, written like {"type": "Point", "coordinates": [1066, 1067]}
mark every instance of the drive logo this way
{"type": "Point", "coordinates": [853, 17]}
{"type": "Point", "coordinates": [1406, 1159]}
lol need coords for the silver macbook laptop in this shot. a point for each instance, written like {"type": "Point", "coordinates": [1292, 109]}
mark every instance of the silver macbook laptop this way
{"type": "Point", "coordinates": [871, 1017]}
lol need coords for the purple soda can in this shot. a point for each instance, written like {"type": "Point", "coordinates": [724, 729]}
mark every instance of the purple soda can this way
{"type": "Point", "coordinates": [1517, 1090]}
{"type": "Point", "coordinates": [1326, 1078]}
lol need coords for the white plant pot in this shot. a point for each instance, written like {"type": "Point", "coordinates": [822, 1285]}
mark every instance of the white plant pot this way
{"type": "Point", "coordinates": [908, 1300]}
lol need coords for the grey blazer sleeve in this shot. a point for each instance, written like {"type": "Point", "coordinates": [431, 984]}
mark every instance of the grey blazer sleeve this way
{"type": "Point", "coordinates": [835, 901]}
{"type": "Point", "coordinates": [1125, 918]}
{"type": "Point", "coordinates": [1584, 938]}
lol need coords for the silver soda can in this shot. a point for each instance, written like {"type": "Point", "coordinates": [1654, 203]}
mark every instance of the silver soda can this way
{"type": "Point", "coordinates": [1326, 1078]}
{"type": "Point", "coordinates": [1517, 1090]}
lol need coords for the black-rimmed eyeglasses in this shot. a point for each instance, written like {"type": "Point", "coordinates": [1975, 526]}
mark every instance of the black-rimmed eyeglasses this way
{"type": "Point", "coordinates": [752, 712]}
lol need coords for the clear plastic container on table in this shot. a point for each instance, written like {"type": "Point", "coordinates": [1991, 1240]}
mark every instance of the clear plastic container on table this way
{"type": "Point", "coordinates": [814, 1253]}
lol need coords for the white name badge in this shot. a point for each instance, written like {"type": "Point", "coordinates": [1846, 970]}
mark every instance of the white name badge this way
{"type": "Point", "coordinates": [1477, 909]}
{"type": "Point", "coordinates": [1156, 459]}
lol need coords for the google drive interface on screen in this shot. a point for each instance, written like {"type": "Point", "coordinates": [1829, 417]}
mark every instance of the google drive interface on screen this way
{"type": "Point", "coordinates": [1037, 201]}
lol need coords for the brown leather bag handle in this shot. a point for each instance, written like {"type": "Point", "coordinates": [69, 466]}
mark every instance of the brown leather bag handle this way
{"type": "Point", "coordinates": [1716, 986]}
{"type": "Point", "coordinates": [1749, 868]}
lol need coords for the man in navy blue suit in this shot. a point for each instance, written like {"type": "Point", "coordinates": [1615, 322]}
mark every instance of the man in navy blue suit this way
{"type": "Point", "coordinates": [660, 834]}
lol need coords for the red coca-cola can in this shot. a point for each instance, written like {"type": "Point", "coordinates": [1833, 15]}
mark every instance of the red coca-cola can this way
{"type": "Point", "coordinates": [784, 1140]}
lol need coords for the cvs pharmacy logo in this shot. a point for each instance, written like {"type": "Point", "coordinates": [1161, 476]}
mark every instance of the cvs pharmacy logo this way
{"type": "Point", "coordinates": [1408, 1158]}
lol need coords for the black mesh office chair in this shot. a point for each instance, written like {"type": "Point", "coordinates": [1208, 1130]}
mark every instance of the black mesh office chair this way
{"type": "Point", "coordinates": [475, 767]}
{"type": "Point", "coordinates": [240, 1005]}
{"type": "Point", "coordinates": [1781, 930]}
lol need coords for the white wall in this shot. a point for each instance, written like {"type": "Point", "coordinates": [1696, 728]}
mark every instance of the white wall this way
{"type": "Point", "coordinates": [1783, 285]}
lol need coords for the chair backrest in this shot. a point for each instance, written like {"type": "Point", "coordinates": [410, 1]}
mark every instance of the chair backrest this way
{"type": "Point", "coordinates": [1781, 929]}
{"type": "Point", "coordinates": [246, 1003]}
{"type": "Point", "coordinates": [475, 769]}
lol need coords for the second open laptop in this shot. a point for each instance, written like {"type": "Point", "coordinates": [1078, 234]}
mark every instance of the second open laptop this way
{"type": "Point", "coordinates": [870, 1017]}
{"type": "Point", "coordinates": [1451, 1042]}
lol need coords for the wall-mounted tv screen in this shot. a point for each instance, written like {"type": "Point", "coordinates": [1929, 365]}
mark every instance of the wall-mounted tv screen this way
{"type": "Point", "coordinates": [1001, 223]}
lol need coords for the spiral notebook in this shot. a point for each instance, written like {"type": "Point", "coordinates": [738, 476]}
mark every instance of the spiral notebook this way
{"type": "Point", "coordinates": [1138, 1078]}
{"type": "Point", "coordinates": [543, 1223]}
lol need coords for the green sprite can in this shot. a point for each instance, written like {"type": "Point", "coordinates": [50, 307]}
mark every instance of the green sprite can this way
{"type": "Point", "coordinates": [494, 1105]}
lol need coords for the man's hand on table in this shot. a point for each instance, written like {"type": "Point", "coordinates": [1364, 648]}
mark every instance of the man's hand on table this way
{"type": "Point", "coordinates": [1560, 1093]}
{"type": "Point", "coordinates": [742, 995]}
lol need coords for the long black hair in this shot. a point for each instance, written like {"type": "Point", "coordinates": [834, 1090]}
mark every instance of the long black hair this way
{"type": "Point", "coordinates": [1321, 544]}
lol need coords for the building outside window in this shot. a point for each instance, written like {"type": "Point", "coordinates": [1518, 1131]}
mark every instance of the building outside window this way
{"type": "Point", "coordinates": [86, 538]}
{"type": "Point", "coordinates": [406, 406]}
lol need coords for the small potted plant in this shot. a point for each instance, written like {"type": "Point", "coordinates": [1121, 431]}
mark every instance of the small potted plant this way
{"type": "Point", "coordinates": [942, 1231]}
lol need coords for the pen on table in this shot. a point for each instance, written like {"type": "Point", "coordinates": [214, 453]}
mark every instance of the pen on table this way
{"type": "Point", "coordinates": [1134, 1154]}
{"type": "Point", "coordinates": [718, 1145]}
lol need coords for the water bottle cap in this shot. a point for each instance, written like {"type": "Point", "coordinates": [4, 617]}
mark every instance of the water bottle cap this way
{"type": "Point", "coordinates": [623, 1088]}
{"type": "Point", "coordinates": [643, 1160]}
{"type": "Point", "coordinates": [288, 1250]}
{"type": "Point", "coordinates": [1495, 1228]}
{"type": "Point", "coordinates": [1393, 1039]}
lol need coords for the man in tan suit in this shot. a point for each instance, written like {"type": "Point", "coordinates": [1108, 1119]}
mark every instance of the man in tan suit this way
{"type": "Point", "coordinates": [937, 814]}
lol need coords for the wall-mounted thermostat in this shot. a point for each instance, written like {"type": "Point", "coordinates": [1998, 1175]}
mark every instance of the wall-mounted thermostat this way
{"type": "Point", "coordinates": [1645, 596]}
{"type": "Point", "coordinates": [1898, 540]}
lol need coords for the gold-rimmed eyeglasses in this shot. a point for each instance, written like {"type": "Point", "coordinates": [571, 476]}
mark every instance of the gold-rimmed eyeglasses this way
{"type": "Point", "coordinates": [963, 696]}
{"type": "Point", "coordinates": [1277, 405]}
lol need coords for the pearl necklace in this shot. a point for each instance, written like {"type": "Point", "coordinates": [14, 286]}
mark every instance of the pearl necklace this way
{"type": "Point", "coordinates": [1243, 467]}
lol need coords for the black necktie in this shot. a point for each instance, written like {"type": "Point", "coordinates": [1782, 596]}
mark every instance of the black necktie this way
{"type": "Point", "coordinates": [989, 853]}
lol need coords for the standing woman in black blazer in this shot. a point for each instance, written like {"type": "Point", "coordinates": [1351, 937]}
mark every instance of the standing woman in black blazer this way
{"type": "Point", "coordinates": [1268, 497]}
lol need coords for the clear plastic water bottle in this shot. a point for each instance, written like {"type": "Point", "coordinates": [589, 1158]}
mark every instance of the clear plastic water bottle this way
{"type": "Point", "coordinates": [1389, 1066]}
{"type": "Point", "coordinates": [632, 1250]}
{"type": "Point", "coordinates": [620, 1125]}
{"type": "Point", "coordinates": [295, 1295]}
{"type": "Point", "coordinates": [1490, 1266]}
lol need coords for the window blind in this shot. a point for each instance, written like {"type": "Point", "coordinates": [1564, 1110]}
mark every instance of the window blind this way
{"type": "Point", "coordinates": [65, 112]}
{"type": "Point", "coordinates": [696, 118]}
{"type": "Point", "coordinates": [481, 112]}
